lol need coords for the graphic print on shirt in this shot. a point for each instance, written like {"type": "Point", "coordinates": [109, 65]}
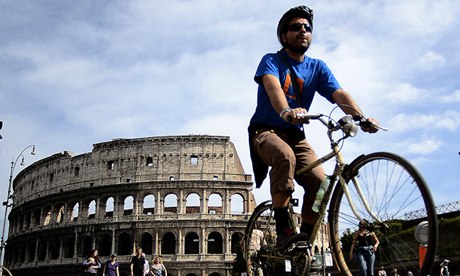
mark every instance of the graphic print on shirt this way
{"type": "Point", "coordinates": [288, 83]}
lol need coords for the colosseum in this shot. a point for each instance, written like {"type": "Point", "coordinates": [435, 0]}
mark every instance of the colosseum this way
{"type": "Point", "coordinates": [185, 198]}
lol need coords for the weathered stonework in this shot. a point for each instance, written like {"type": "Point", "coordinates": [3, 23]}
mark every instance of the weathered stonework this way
{"type": "Point", "coordinates": [185, 198]}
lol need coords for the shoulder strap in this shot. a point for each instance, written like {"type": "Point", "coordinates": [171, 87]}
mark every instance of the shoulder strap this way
{"type": "Point", "coordinates": [293, 75]}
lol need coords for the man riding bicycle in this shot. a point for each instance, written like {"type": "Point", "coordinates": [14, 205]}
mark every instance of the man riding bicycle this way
{"type": "Point", "coordinates": [276, 135]}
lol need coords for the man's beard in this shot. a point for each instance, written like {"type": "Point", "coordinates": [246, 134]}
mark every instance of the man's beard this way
{"type": "Point", "coordinates": [301, 49]}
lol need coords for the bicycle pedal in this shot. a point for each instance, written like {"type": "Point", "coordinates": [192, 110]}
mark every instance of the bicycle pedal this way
{"type": "Point", "coordinates": [303, 244]}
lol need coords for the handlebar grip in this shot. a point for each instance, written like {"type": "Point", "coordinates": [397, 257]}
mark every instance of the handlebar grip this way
{"type": "Point", "coordinates": [368, 124]}
{"type": "Point", "coordinates": [309, 116]}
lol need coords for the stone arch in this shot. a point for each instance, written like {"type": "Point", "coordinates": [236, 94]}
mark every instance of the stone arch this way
{"type": "Point", "coordinates": [215, 274]}
{"type": "Point", "coordinates": [20, 222]}
{"type": "Point", "coordinates": [124, 244]}
{"type": "Point", "coordinates": [92, 209]}
{"type": "Point", "coordinates": [68, 247]}
{"type": "Point", "coordinates": [22, 253]}
{"type": "Point", "coordinates": [15, 256]}
{"type": "Point", "coordinates": [32, 248]}
{"type": "Point", "coordinates": [42, 247]}
{"type": "Point", "coordinates": [28, 219]}
{"type": "Point", "coordinates": [86, 244]}
{"type": "Point", "coordinates": [192, 243]}
{"type": "Point", "coordinates": [170, 203]}
{"type": "Point", "coordinates": [75, 212]}
{"type": "Point", "coordinates": [128, 205]}
{"type": "Point", "coordinates": [148, 205]}
{"type": "Point", "coordinates": [55, 245]}
{"type": "Point", "coordinates": [215, 203]}
{"type": "Point", "coordinates": [168, 244]}
{"type": "Point", "coordinates": [193, 203]}
{"type": "Point", "coordinates": [14, 224]}
{"type": "Point", "coordinates": [60, 214]}
{"type": "Point", "coordinates": [36, 217]}
{"type": "Point", "coordinates": [104, 245]}
{"type": "Point", "coordinates": [47, 217]}
{"type": "Point", "coordinates": [236, 242]}
{"type": "Point", "coordinates": [109, 207]}
{"type": "Point", "coordinates": [237, 204]}
{"type": "Point", "coordinates": [147, 243]}
{"type": "Point", "coordinates": [215, 243]}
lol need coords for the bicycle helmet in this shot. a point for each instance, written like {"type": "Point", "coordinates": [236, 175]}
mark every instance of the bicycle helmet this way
{"type": "Point", "coordinates": [300, 11]}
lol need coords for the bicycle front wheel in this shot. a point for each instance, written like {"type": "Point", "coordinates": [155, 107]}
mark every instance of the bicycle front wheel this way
{"type": "Point", "coordinates": [405, 219]}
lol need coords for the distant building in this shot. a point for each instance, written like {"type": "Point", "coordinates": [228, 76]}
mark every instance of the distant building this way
{"type": "Point", "coordinates": [186, 198]}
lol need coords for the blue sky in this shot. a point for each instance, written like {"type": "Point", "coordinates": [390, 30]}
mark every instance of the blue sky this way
{"type": "Point", "coordinates": [76, 73]}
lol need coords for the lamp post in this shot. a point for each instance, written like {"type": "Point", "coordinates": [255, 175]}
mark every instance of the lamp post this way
{"type": "Point", "coordinates": [7, 203]}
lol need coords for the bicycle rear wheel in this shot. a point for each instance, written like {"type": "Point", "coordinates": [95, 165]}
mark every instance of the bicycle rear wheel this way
{"type": "Point", "coordinates": [260, 253]}
{"type": "Point", "coordinates": [260, 232]}
{"type": "Point", "coordinates": [398, 195]}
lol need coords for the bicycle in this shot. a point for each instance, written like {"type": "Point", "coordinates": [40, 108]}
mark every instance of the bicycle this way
{"type": "Point", "coordinates": [381, 187]}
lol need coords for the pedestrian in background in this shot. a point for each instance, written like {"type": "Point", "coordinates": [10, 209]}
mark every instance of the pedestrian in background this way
{"type": "Point", "coordinates": [445, 268]}
{"type": "Point", "coordinates": [92, 264]}
{"type": "Point", "coordinates": [365, 242]}
{"type": "Point", "coordinates": [111, 267]}
{"type": "Point", "coordinates": [137, 263]}
{"type": "Point", "coordinates": [157, 268]}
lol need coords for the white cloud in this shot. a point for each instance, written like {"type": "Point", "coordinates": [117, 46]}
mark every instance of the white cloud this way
{"type": "Point", "coordinates": [451, 98]}
{"type": "Point", "coordinates": [431, 60]}
{"type": "Point", "coordinates": [405, 93]}
{"type": "Point", "coordinates": [448, 120]}
{"type": "Point", "coordinates": [421, 17]}
{"type": "Point", "coordinates": [425, 146]}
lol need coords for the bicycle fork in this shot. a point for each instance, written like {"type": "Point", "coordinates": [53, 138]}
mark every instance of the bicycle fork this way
{"type": "Point", "coordinates": [346, 191]}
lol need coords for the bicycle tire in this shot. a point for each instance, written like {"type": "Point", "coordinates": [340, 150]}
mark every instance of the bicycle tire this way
{"type": "Point", "coordinates": [262, 210]}
{"type": "Point", "coordinates": [387, 181]}
{"type": "Point", "coordinates": [267, 259]}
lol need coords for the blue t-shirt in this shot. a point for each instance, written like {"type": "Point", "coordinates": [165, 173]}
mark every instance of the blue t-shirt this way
{"type": "Point", "coordinates": [313, 76]}
{"type": "Point", "coordinates": [111, 269]}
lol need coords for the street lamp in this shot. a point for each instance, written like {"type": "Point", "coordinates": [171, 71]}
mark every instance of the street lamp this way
{"type": "Point", "coordinates": [10, 196]}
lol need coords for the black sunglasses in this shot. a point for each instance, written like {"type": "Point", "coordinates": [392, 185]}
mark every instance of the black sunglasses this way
{"type": "Point", "coordinates": [295, 27]}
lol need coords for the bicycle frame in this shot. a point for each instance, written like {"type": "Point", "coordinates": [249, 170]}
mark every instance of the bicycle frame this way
{"type": "Point", "coordinates": [340, 167]}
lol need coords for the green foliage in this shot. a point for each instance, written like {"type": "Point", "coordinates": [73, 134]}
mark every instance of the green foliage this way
{"type": "Point", "coordinates": [450, 224]}
{"type": "Point", "coordinates": [347, 240]}
{"type": "Point", "coordinates": [449, 240]}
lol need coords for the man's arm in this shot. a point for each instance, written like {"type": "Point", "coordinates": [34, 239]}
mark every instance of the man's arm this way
{"type": "Point", "coordinates": [346, 102]}
{"type": "Point", "coordinates": [349, 106]}
{"type": "Point", "coordinates": [278, 100]}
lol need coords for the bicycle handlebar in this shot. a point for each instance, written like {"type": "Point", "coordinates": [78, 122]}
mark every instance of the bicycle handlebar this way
{"type": "Point", "coordinates": [346, 123]}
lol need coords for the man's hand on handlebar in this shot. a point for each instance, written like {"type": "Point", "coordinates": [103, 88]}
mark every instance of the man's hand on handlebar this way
{"type": "Point", "coordinates": [369, 125]}
{"type": "Point", "coordinates": [294, 116]}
